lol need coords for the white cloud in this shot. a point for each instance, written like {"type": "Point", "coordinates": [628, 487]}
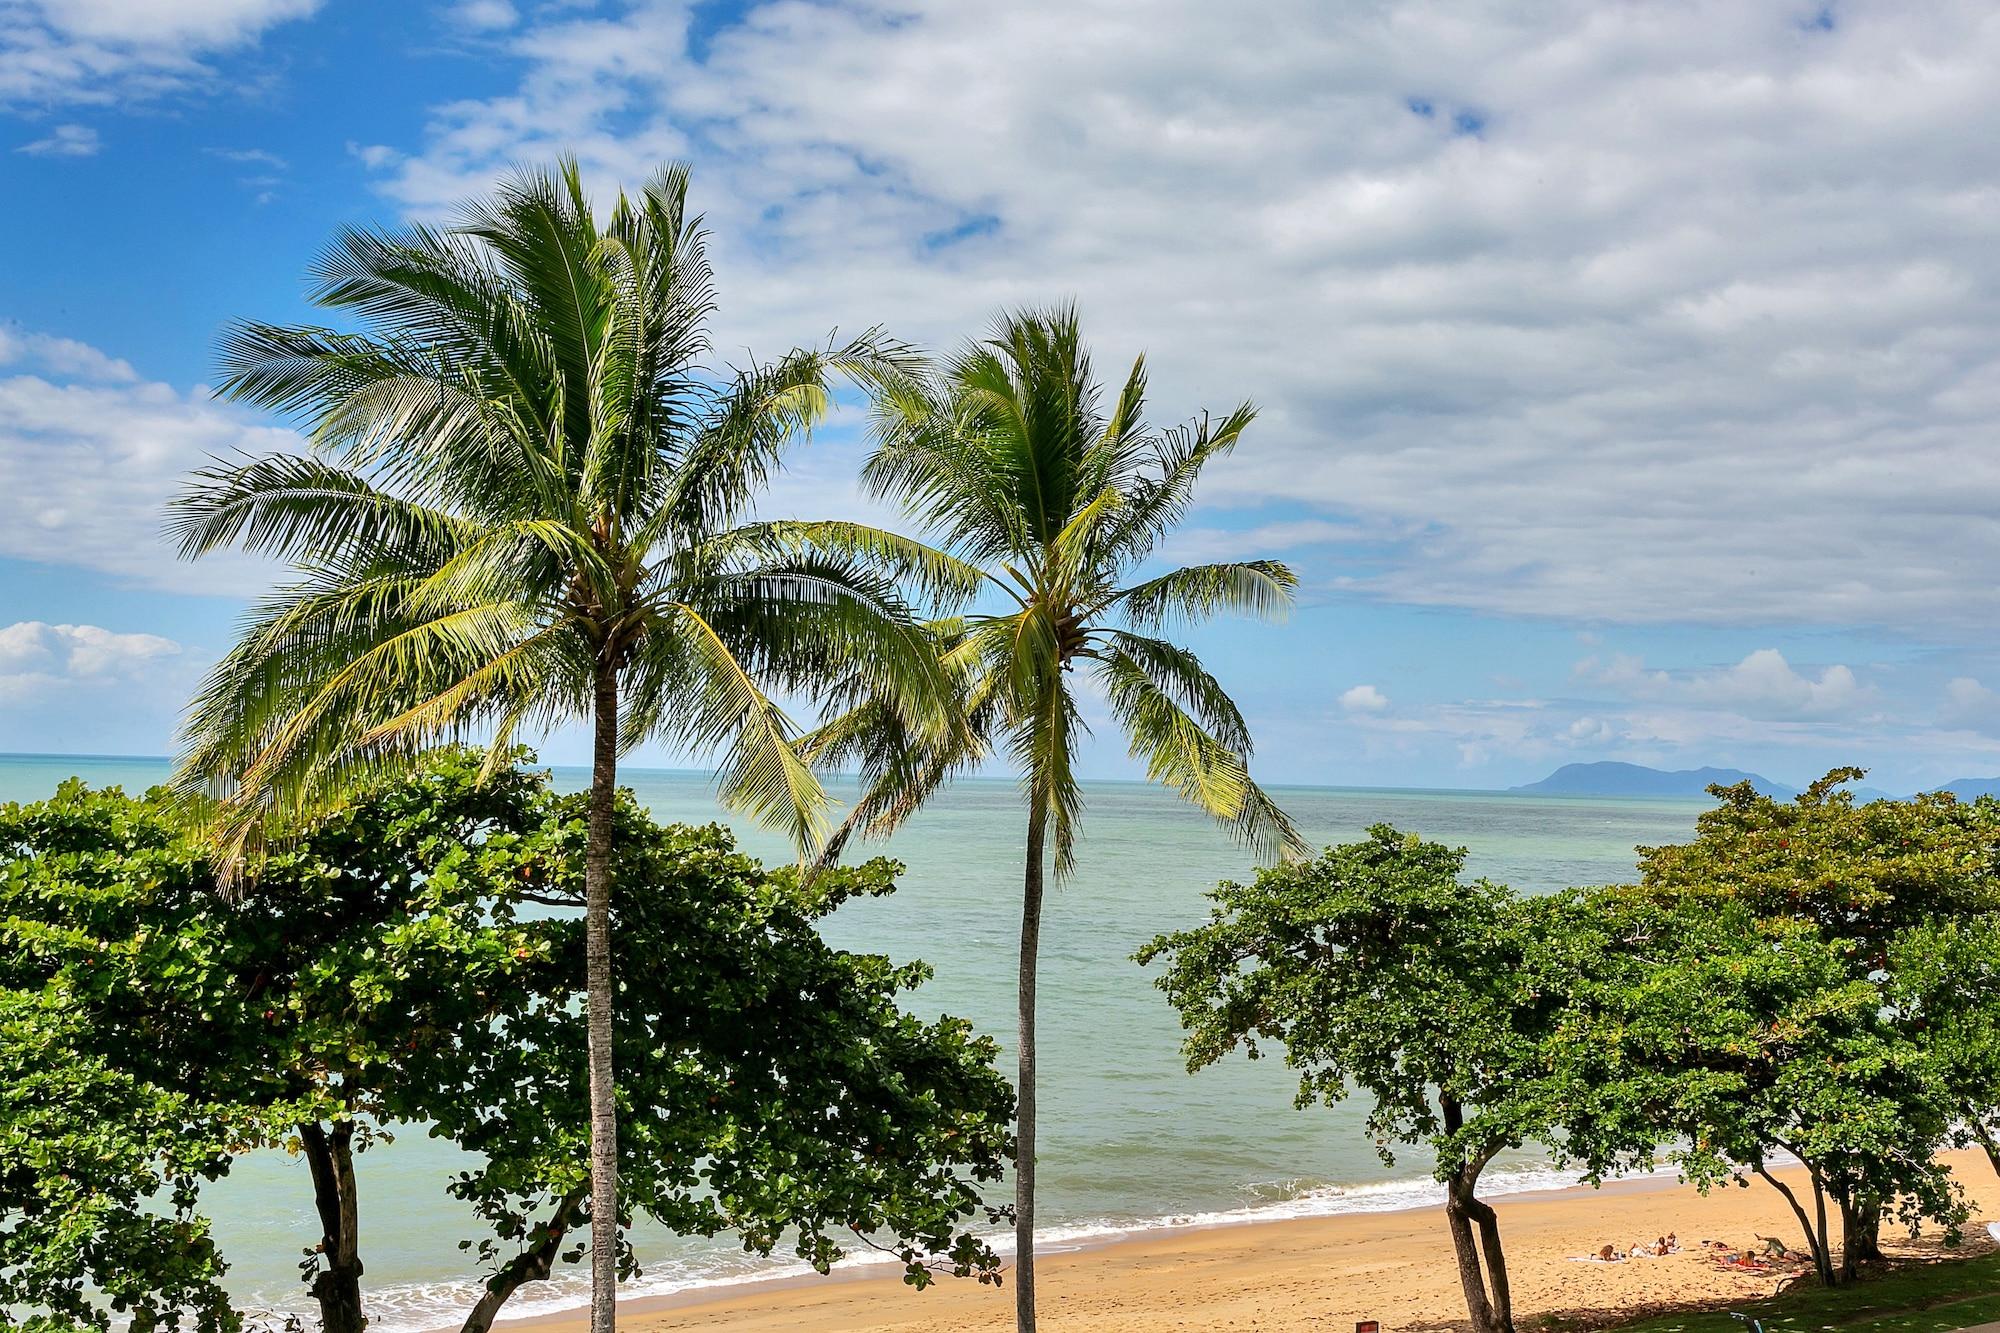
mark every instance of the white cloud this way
{"type": "Point", "coordinates": [1969, 703]}
{"type": "Point", "coordinates": [1624, 313]}
{"type": "Point", "coordinates": [1763, 684]}
{"type": "Point", "coordinates": [118, 51]}
{"type": "Point", "coordinates": [64, 141]}
{"type": "Point", "coordinates": [258, 157]}
{"type": "Point", "coordinates": [36, 657]}
{"type": "Point", "coordinates": [90, 453]}
{"type": "Point", "coordinates": [1363, 699]}
{"type": "Point", "coordinates": [483, 15]}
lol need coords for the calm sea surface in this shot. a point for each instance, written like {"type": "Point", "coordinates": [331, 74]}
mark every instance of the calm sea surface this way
{"type": "Point", "coordinates": [1129, 1139]}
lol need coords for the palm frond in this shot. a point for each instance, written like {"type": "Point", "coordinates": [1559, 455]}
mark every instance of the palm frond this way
{"type": "Point", "coordinates": [1181, 753]}
{"type": "Point", "coordinates": [1260, 588]}
{"type": "Point", "coordinates": [296, 507]}
{"type": "Point", "coordinates": [761, 773]}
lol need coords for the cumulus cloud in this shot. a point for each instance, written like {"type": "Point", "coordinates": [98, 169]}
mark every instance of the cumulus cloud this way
{"type": "Point", "coordinates": [1763, 684]}
{"type": "Point", "coordinates": [1635, 313]}
{"type": "Point", "coordinates": [90, 453]}
{"type": "Point", "coordinates": [64, 141]}
{"type": "Point", "coordinates": [113, 51]}
{"type": "Point", "coordinates": [1363, 699]}
{"type": "Point", "coordinates": [36, 657]}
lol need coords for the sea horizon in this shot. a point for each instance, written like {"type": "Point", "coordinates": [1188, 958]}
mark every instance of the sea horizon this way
{"type": "Point", "coordinates": [708, 773]}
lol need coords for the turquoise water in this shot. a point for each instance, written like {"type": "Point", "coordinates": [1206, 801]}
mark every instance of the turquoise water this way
{"type": "Point", "coordinates": [1129, 1139]}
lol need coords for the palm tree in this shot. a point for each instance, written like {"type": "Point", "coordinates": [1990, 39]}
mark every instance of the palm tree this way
{"type": "Point", "coordinates": [1050, 498]}
{"type": "Point", "coordinates": [526, 506]}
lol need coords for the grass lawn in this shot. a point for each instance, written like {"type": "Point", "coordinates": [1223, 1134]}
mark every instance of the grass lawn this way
{"type": "Point", "coordinates": [1915, 1298]}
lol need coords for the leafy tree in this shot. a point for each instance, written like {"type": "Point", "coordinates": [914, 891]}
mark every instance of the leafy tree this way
{"type": "Point", "coordinates": [98, 1176]}
{"type": "Point", "coordinates": [1047, 498]}
{"type": "Point", "coordinates": [525, 507]}
{"type": "Point", "coordinates": [412, 957]}
{"type": "Point", "coordinates": [1857, 872]}
{"type": "Point", "coordinates": [1750, 1037]}
{"type": "Point", "coordinates": [1945, 983]}
{"type": "Point", "coordinates": [1860, 877]}
{"type": "Point", "coordinates": [1380, 971]}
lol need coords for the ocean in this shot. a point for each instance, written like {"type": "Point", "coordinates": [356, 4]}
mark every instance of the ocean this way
{"type": "Point", "coordinates": [1129, 1140]}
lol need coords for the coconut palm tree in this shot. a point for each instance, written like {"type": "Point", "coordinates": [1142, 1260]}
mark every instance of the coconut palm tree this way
{"type": "Point", "coordinates": [1051, 497]}
{"type": "Point", "coordinates": [526, 506]}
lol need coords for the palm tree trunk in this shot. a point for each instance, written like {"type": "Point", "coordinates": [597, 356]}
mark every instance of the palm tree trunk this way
{"type": "Point", "coordinates": [598, 999]}
{"type": "Point", "coordinates": [1024, 1151]}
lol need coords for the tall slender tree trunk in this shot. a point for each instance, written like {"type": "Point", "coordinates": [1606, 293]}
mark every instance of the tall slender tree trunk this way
{"type": "Point", "coordinates": [337, 1287]}
{"type": "Point", "coordinates": [1024, 1151]}
{"type": "Point", "coordinates": [598, 999]}
{"type": "Point", "coordinates": [1828, 1272]}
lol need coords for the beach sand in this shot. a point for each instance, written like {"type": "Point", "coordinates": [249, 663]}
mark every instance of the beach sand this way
{"type": "Point", "coordinates": [1319, 1273]}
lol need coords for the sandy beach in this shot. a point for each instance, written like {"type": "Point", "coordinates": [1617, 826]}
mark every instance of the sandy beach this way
{"type": "Point", "coordinates": [1319, 1273]}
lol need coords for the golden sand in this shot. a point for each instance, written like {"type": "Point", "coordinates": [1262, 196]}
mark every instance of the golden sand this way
{"type": "Point", "coordinates": [1319, 1273]}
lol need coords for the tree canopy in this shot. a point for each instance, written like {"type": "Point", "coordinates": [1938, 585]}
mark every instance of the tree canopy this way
{"type": "Point", "coordinates": [1378, 969]}
{"type": "Point", "coordinates": [412, 958]}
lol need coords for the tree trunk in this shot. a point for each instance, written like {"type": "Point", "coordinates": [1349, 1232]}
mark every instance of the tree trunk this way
{"type": "Point", "coordinates": [532, 1265]}
{"type": "Point", "coordinates": [1986, 1140]}
{"type": "Point", "coordinates": [1829, 1273]}
{"type": "Point", "coordinates": [337, 1286]}
{"type": "Point", "coordinates": [1860, 1235]}
{"type": "Point", "coordinates": [1815, 1239]}
{"type": "Point", "coordinates": [1496, 1260]}
{"type": "Point", "coordinates": [1458, 1217]}
{"type": "Point", "coordinates": [1491, 1311]}
{"type": "Point", "coordinates": [598, 1000]}
{"type": "Point", "coordinates": [1024, 1152]}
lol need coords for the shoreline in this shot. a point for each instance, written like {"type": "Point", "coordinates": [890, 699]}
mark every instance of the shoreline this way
{"type": "Point", "coordinates": [1317, 1271]}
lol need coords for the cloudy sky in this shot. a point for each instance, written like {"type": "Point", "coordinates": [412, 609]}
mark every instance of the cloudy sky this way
{"type": "Point", "coordinates": [1629, 372]}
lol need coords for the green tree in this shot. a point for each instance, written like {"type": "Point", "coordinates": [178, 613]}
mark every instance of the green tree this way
{"type": "Point", "coordinates": [1379, 970]}
{"type": "Point", "coordinates": [1750, 1036]}
{"type": "Point", "coordinates": [1046, 499]}
{"type": "Point", "coordinates": [1858, 872]}
{"type": "Point", "coordinates": [1945, 983]}
{"type": "Point", "coordinates": [99, 1173]}
{"type": "Point", "coordinates": [1860, 876]}
{"type": "Point", "coordinates": [413, 958]}
{"type": "Point", "coordinates": [525, 507]}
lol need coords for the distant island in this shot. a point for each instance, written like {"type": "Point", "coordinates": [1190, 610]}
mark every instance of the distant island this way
{"type": "Point", "coordinates": [1611, 778]}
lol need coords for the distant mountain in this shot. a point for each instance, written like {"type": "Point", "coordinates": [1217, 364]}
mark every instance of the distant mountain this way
{"type": "Point", "coordinates": [1968, 789]}
{"type": "Point", "coordinates": [1615, 779]}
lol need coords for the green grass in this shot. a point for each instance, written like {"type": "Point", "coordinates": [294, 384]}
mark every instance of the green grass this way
{"type": "Point", "coordinates": [1913, 1298]}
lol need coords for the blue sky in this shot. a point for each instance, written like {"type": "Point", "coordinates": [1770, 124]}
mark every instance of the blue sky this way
{"type": "Point", "coordinates": [1629, 373]}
